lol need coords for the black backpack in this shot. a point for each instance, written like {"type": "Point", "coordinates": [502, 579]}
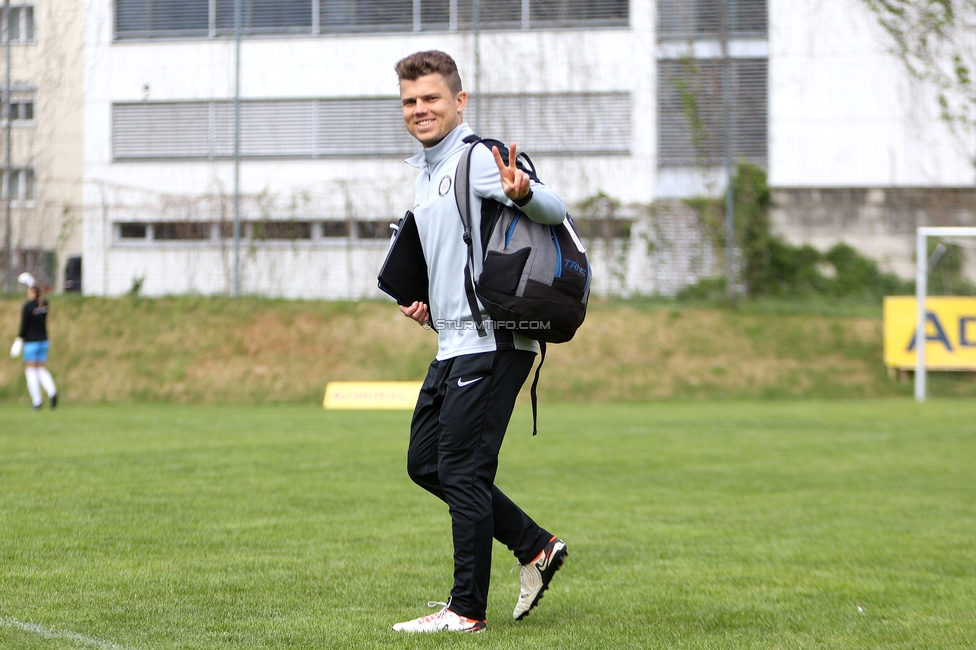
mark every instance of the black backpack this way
{"type": "Point", "coordinates": [535, 278]}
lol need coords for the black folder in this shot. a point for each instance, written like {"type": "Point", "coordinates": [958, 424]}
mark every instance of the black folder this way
{"type": "Point", "coordinates": [404, 272]}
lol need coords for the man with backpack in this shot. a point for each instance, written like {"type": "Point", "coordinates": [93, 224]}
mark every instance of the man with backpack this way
{"type": "Point", "coordinates": [469, 393]}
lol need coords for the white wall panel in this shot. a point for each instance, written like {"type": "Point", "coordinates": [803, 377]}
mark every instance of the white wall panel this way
{"type": "Point", "coordinates": [843, 112]}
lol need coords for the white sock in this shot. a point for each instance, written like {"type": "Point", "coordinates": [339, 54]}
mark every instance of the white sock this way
{"type": "Point", "coordinates": [33, 385]}
{"type": "Point", "coordinates": [47, 381]}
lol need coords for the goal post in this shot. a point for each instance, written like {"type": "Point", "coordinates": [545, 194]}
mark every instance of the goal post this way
{"type": "Point", "coordinates": [921, 289]}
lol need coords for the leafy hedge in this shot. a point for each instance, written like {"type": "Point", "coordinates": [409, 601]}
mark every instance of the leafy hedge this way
{"type": "Point", "coordinates": [771, 267]}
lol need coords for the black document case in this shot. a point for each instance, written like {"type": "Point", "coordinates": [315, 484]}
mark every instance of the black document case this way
{"type": "Point", "coordinates": [404, 272]}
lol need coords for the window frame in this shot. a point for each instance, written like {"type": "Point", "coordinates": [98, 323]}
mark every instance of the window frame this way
{"type": "Point", "coordinates": [26, 22]}
{"type": "Point", "coordinates": [20, 96]}
{"type": "Point", "coordinates": [26, 186]}
{"type": "Point", "coordinates": [313, 233]}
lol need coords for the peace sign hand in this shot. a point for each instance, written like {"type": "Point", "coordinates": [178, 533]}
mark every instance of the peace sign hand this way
{"type": "Point", "coordinates": [515, 182]}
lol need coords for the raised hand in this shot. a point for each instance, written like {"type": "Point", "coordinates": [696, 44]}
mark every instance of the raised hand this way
{"type": "Point", "coordinates": [515, 182]}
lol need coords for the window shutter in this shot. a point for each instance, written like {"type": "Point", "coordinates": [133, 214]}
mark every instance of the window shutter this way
{"type": "Point", "coordinates": [366, 15]}
{"type": "Point", "coordinates": [557, 123]}
{"type": "Point", "coordinates": [276, 128]}
{"type": "Point", "coordinates": [691, 116]}
{"type": "Point", "coordinates": [267, 16]}
{"type": "Point", "coordinates": [691, 119]}
{"type": "Point", "coordinates": [701, 19]}
{"type": "Point", "coordinates": [160, 130]}
{"type": "Point", "coordinates": [370, 126]}
{"type": "Point", "coordinates": [143, 18]}
{"type": "Point", "coordinates": [578, 13]}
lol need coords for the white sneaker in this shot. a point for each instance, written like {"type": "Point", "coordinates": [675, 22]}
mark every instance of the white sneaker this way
{"type": "Point", "coordinates": [443, 621]}
{"type": "Point", "coordinates": [537, 574]}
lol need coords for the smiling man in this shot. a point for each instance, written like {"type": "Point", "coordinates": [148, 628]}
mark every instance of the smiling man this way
{"type": "Point", "coordinates": [469, 393]}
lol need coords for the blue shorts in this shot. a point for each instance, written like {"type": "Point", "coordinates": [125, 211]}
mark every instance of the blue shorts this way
{"type": "Point", "coordinates": [35, 352]}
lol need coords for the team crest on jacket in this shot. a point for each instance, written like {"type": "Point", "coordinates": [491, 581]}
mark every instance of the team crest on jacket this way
{"type": "Point", "coordinates": [445, 186]}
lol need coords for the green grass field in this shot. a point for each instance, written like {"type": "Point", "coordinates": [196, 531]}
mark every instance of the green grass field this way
{"type": "Point", "coordinates": [816, 524]}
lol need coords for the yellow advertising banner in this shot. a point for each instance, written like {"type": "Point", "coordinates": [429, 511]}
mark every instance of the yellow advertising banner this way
{"type": "Point", "coordinates": [371, 394]}
{"type": "Point", "coordinates": [950, 332]}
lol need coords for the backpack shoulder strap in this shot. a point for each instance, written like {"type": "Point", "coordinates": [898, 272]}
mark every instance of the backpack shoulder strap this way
{"type": "Point", "coordinates": [533, 393]}
{"type": "Point", "coordinates": [522, 160]}
{"type": "Point", "coordinates": [462, 196]}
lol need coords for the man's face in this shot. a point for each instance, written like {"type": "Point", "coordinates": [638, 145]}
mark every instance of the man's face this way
{"type": "Point", "coordinates": [430, 112]}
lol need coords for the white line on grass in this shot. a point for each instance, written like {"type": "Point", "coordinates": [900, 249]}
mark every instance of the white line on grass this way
{"type": "Point", "coordinates": [48, 633]}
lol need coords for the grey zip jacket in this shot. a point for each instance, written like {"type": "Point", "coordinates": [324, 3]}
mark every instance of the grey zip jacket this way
{"type": "Point", "coordinates": [441, 231]}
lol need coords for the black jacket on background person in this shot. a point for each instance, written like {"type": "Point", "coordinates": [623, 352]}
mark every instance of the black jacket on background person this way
{"type": "Point", "coordinates": [33, 321]}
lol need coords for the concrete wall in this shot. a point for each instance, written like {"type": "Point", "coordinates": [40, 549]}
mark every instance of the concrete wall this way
{"type": "Point", "coordinates": [880, 222]}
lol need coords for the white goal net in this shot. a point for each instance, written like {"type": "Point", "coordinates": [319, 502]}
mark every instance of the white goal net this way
{"type": "Point", "coordinates": [924, 263]}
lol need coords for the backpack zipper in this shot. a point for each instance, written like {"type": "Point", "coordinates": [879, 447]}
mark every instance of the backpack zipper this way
{"type": "Point", "coordinates": [511, 231]}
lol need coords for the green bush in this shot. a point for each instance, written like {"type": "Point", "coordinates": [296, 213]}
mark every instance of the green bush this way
{"type": "Point", "coordinates": [771, 267]}
{"type": "Point", "coordinates": [858, 276]}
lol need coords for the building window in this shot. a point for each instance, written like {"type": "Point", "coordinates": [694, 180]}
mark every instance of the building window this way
{"type": "Point", "coordinates": [334, 229]}
{"type": "Point", "coordinates": [281, 230]}
{"type": "Point", "coordinates": [266, 16]}
{"type": "Point", "coordinates": [691, 110]}
{"type": "Point", "coordinates": [133, 230]}
{"type": "Point", "coordinates": [180, 230]}
{"type": "Point", "coordinates": [455, 15]}
{"type": "Point", "coordinates": [21, 106]}
{"type": "Point", "coordinates": [147, 18]}
{"type": "Point", "coordinates": [560, 13]}
{"type": "Point", "coordinates": [21, 24]}
{"type": "Point", "coordinates": [569, 123]}
{"type": "Point", "coordinates": [373, 229]}
{"type": "Point", "coordinates": [19, 185]}
{"type": "Point", "coordinates": [366, 15]}
{"type": "Point", "coordinates": [252, 231]}
{"type": "Point", "coordinates": [22, 110]}
{"type": "Point", "coordinates": [702, 19]}
{"type": "Point", "coordinates": [691, 122]}
{"type": "Point", "coordinates": [208, 18]}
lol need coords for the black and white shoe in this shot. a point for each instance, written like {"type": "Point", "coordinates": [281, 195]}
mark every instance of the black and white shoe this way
{"type": "Point", "coordinates": [54, 401]}
{"type": "Point", "coordinates": [537, 574]}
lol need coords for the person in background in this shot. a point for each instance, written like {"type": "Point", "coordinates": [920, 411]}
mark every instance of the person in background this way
{"type": "Point", "coordinates": [32, 341]}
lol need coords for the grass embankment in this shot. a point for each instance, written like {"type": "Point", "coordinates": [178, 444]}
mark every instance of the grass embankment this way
{"type": "Point", "coordinates": [219, 350]}
{"type": "Point", "coordinates": [720, 525]}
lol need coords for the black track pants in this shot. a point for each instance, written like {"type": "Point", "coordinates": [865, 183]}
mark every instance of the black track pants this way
{"type": "Point", "coordinates": [455, 436]}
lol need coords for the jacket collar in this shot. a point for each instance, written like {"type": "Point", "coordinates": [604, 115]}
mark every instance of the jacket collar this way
{"type": "Point", "coordinates": [428, 158]}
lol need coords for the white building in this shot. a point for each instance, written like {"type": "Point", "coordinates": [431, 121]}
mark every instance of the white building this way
{"type": "Point", "coordinates": [599, 93]}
